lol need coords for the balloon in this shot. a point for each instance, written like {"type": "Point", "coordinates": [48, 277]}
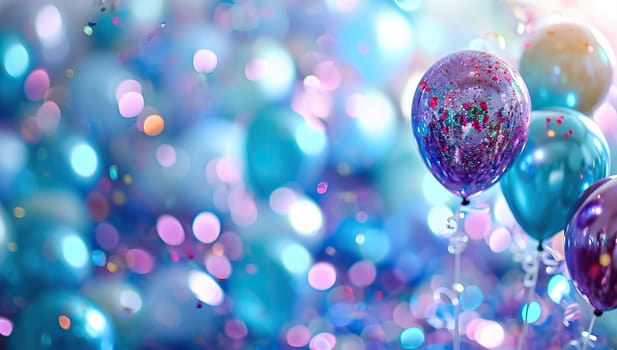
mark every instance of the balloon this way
{"type": "Point", "coordinates": [362, 130]}
{"type": "Point", "coordinates": [283, 148]}
{"type": "Point", "coordinates": [566, 152]}
{"type": "Point", "coordinates": [258, 304]}
{"type": "Point", "coordinates": [591, 245]}
{"type": "Point", "coordinates": [470, 117]}
{"type": "Point", "coordinates": [123, 303]}
{"type": "Point", "coordinates": [62, 320]}
{"type": "Point", "coordinates": [51, 255]}
{"type": "Point", "coordinates": [567, 65]}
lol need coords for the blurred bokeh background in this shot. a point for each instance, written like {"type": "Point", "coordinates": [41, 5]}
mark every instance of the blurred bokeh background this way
{"type": "Point", "coordinates": [201, 174]}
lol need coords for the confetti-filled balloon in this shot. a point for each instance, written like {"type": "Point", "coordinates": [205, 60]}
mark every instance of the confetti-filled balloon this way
{"type": "Point", "coordinates": [470, 117]}
{"type": "Point", "coordinates": [591, 245]}
{"type": "Point", "coordinates": [565, 153]}
{"type": "Point", "coordinates": [63, 321]}
{"type": "Point", "coordinates": [567, 65]}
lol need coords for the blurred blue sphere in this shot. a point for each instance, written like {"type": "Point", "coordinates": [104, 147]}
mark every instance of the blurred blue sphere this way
{"type": "Point", "coordinates": [62, 320]}
{"type": "Point", "coordinates": [283, 149]}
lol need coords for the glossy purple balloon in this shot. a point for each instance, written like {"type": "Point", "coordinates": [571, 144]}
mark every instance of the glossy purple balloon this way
{"type": "Point", "coordinates": [591, 244]}
{"type": "Point", "coordinates": [470, 116]}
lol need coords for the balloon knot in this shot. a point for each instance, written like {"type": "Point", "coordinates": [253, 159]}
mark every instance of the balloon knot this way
{"type": "Point", "coordinates": [465, 201]}
{"type": "Point", "coordinates": [597, 312]}
{"type": "Point", "coordinates": [540, 247]}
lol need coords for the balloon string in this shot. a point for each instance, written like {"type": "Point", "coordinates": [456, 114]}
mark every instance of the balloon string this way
{"type": "Point", "coordinates": [457, 287]}
{"type": "Point", "coordinates": [589, 330]}
{"type": "Point", "coordinates": [457, 245]}
{"type": "Point", "coordinates": [528, 294]}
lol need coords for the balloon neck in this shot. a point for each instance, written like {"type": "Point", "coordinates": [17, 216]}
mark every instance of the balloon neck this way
{"type": "Point", "coordinates": [540, 246]}
{"type": "Point", "coordinates": [465, 201]}
{"type": "Point", "coordinates": [597, 312]}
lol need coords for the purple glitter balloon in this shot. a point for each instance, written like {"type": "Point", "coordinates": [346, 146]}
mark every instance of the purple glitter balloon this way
{"type": "Point", "coordinates": [591, 244]}
{"type": "Point", "coordinates": [470, 117]}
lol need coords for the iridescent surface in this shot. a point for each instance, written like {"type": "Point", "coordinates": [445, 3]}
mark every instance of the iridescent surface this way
{"type": "Point", "coordinates": [470, 117]}
{"type": "Point", "coordinates": [567, 64]}
{"type": "Point", "coordinates": [591, 245]}
{"type": "Point", "coordinates": [566, 152]}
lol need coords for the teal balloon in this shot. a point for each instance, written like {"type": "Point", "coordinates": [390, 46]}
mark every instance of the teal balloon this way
{"type": "Point", "coordinates": [62, 320]}
{"type": "Point", "coordinates": [51, 255]}
{"type": "Point", "coordinates": [263, 307]}
{"type": "Point", "coordinates": [283, 149]}
{"type": "Point", "coordinates": [566, 153]}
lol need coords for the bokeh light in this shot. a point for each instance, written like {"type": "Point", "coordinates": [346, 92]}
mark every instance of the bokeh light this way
{"type": "Point", "coordinates": [49, 26]}
{"type": "Point", "coordinates": [16, 60]}
{"type": "Point", "coordinates": [204, 61]}
{"type": "Point", "coordinates": [206, 227]}
{"type": "Point", "coordinates": [322, 276]}
{"type": "Point", "coordinates": [305, 216]}
{"type": "Point", "coordinates": [205, 288]}
{"type": "Point", "coordinates": [6, 326]}
{"type": "Point", "coordinates": [154, 125]}
{"type": "Point", "coordinates": [558, 287]}
{"type": "Point", "coordinates": [531, 312]}
{"type": "Point", "coordinates": [298, 336]}
{"type": "Point", "coordinates": [84, 160]}
{"type": "Point", "coordinates": [296, 258]}
{"type": "Point", "coordinates": [412, 338]}
{"type": "Point", "coordinates": [170, 230]}
{"type": "Point", "coordinates": [490, 334]}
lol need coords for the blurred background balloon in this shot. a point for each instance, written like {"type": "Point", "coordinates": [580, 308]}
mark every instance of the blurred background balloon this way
{"type": "Point", "coordinates": [567, 64]}
{"type": "Point", "coordinates": [123, 302]}
{"type": "Point", "coordinates": [63, 320]}
{"type": "Point", "coordinates": [51, 254]}
{"type": "Point", "coordinates": [284, 149]}
{"type": "Point", "coordinates": [470, 117]}
{"type": "Point", "coordinates": [590, 245]}
{"type": "Point", "coordinates": [362, 130]}
{"type": "Point", "coordinates": [566, 153]}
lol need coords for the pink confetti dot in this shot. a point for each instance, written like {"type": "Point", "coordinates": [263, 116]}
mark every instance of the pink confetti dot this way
{"type": "Point", "coordinates": [256, 69]}
{"type": "Point", "coordinates": [204, 61]}
{"type": "Point", "coordinates": [235, 329]}
{"type": "Point", "coordinates": [322, 276]}
{"type": "Point", "coordinates": [131, 104]}
{"type": "Point", "coordinates": [218, 266]}
{"type": "Point", "coordinates": [322, 187]}
{"type": "Point", "coordinates": [206, 227]}
{"type": "Point", "coordinates": [48, 116]}
{"type": "Point", "coordinates": [500, 240]}
{"type": "Point", "coordinates": [166, 155]}
{"type": "Point", "coordinates": [298, 336]}
{"type": "Point", "coordinates": [6, 327]}
{"type": "Point", "coordinates": [139, 261]}
{"type": "Point", "coordinates": [36, 85]}
{"type": "Point", "coordinates": [478, 225]}
{"type": "Point", "coordinates": [170, 230]}
{"type": "Point", "coordinates": [125, 86]}
{"type": "Point", "coordinates": [362, 273]}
